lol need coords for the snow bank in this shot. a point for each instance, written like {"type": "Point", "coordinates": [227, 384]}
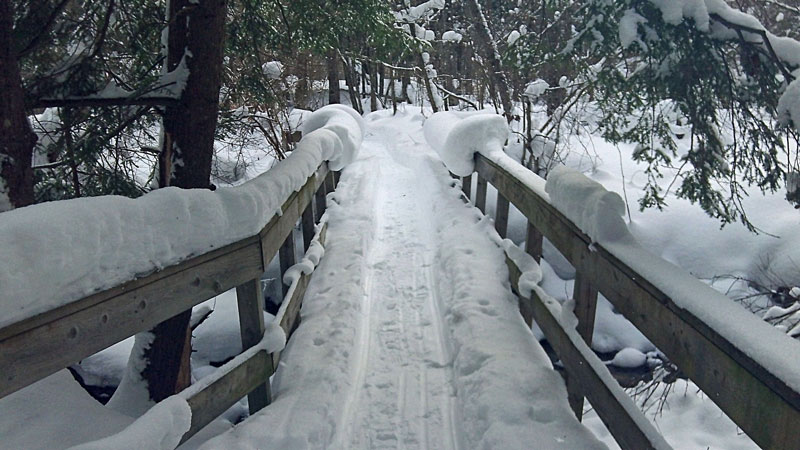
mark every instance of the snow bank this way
{"type": "Point", "coordinates": [55, 412]}
{"type": "Point", "coordinates": [160, 428]}
{"type": "Point", "coordinates": [687, 419]}
{"type": "Point", "coordinates": [596, 211]}
{"type": "Point", "coordinates": [508, 393]}
{"type": "Point", "coordinates": [457, 136]}
{"type": "Point", "coordinates": [57, 252]}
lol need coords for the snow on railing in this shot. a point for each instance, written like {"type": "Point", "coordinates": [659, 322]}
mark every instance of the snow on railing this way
{"type": "Point", "coordinates": [80, 275]}
{"type": "Point", "coordinates": [57, 252]}
{"type": "Point", "coordinates": [750, 369]}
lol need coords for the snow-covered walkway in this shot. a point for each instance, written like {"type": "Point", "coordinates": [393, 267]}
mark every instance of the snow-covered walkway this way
{"type": "Point", "coordinates": [410, 337]}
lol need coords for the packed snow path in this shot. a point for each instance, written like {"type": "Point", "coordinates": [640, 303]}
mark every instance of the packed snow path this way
{"type": "Point", "coordinates": [410, 337]}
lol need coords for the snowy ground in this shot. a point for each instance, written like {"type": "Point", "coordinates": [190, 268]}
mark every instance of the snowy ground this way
{"type": "Point", "coordinates": [409, 334]}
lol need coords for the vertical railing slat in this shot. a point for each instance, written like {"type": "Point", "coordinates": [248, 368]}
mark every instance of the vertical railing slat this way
{"type": "Point", "coordinates": [250, 302]}
{"type": "Point", "coordinates": [501, 215]}
{"type": "Point", "coordinates": [533, 242]}
{"type": "Point", "coordinates": [480, 194]}
{"type": "Point", "coordinates": [466, 185]}
{"type": "Point", "coordinates": [585, 296]}
{"type": "Point", "coordinates": [286, 258]}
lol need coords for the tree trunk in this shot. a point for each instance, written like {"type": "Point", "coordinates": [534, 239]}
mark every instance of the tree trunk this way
{"type": "Point", "coordinates": [374, 89]}
{"type": "Point", "coordinates": [428, 88]}
{"type": "Point", "coordinates": [350, 77]}
{"type": "Point", "coordinates": [187, 150]}
{"type": "Point", "coordinates": [17, 138]}
{"type": "Point", "coordinates": [333, 78]}
{"type": "Point", "coordinates": [486, 44]}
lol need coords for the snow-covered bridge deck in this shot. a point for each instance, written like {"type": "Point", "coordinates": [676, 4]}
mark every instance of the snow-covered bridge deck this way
{"type": "Point", "coordinates": [410, 334]}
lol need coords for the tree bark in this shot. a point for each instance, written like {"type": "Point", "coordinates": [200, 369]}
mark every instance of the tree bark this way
{"type": "Point", "coordinates": [17, 138]}
{"type": "Point", "coordinates": [186, 154]}
{"type": "Point", "coordinates": [486, 44]}
{"type": "Point", "coordinates": [333, 78]}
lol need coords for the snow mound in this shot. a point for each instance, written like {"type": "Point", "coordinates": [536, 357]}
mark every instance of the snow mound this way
{"type": "Point", "coordinates": [596, 211]}
{"type": "Point", "coordinates": [629, 358]}
{"type": "Point", "coordinates": [162, 427]}
{"type": "Point", "coordinates": [272, 69]}
{"type": "Point", "coordinates": [86, 245]}
{"type": "Point", "coordinates": [456, 137]}
{"type": "Point", "coordinates": [452, 36]}
{"type": "Point", "coordinates": [536, 88]}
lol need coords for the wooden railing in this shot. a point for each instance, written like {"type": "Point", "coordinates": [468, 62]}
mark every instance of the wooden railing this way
{"type": "Point", "coordinates": [37, 347]}
{"type": "Point", "coordinates": [754, 397]}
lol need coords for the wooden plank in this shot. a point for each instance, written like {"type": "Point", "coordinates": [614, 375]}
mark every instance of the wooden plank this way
{"type": "Point", "coordinates": [42, 350]}
{"type": "Point", "coordinates": [501, 215]}
{"type": "Point", "coordinates": [250, 303]}
{"type": "Point", "coordinates": [466, 186]}
{"type": "Point", "coordinates": [748, 393]}
{"type": "Point", "coordinates": [533, 242]}
{"type": "Point", "coordinates": [480, 194]}
{"type": "Point", "coordinates": [230, 386]}
{"type": "Point", "coordinates": [585, 297]}
{"type": "Point", "coordinates": [621, 416]}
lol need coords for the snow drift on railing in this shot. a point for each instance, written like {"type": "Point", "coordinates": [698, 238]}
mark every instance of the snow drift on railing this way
{"type": "Point", "coordinates": [457, 136]}
{"type": "Point", "coordinates": [55, 253]}
{"type": "Point", "coordinates": [596, 211]}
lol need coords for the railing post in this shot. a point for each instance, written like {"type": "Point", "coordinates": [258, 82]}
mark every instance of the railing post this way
{"type": "Point", "coordinates": [250, 302]}
{"type": "Point", "coordinates": [319, 202]}
{"type": "Point", "coordinates": [501, 215]}
{"type": "Point", "coordinates": [286, 258]}
{"type": "Point", "coordinates": [466, 185]}
{"type": "Point", "coordinates": [585, 296]}
{"type": "Point", "coordinates": [330, 184]}
{"type": "Point", "coordinates": [533, 242]}
{"type": "Point", "coordinates": [307, 224]}
{"type": "Point", "coordinates": [480, 194]}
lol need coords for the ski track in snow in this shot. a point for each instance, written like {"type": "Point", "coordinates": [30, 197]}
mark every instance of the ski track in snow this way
{"type": "Point", "coordinates": [403, 394]}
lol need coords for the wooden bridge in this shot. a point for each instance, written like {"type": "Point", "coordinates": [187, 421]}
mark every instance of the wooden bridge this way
{"type": "Point", "coordinates": [755, 395]}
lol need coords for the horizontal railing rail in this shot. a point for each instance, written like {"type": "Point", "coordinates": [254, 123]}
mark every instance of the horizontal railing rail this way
{"type": "Point", "coordinates": [34, 348]}
{"type": "Point", "coordinates": [750, 393]}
